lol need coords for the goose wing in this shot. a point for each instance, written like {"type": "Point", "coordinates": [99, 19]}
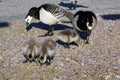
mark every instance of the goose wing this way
{"type": "Point", "coordinates": [61, 14]}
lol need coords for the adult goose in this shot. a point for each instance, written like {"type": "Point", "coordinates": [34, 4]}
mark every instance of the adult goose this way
{"type": "Point", "coordinates": [85, 21]}
{"type": "Point", "coordinates": [49, 14]}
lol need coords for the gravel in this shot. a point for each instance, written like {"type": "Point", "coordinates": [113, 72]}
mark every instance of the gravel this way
{"type": "Point", "coordinates": [99, 60]}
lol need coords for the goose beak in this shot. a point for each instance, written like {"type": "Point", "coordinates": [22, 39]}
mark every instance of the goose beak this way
{"type": "Point", "coordinates": [28, 20]}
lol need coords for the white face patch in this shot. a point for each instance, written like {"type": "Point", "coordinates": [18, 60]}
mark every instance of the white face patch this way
{"type": "Point", "coordinates": [93, 24]}
{"type": "Point", "coordinates": [89, 27]}
{"type": "Point", "coordinates": [28, 19]}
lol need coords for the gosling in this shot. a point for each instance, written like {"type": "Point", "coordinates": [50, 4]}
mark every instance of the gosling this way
{"type": "Point", "coordinates": [30, 50]}
{"type": "Point", "coordinates": [47, 51]}
{"type": "Point", "coordinates": [69, 36]}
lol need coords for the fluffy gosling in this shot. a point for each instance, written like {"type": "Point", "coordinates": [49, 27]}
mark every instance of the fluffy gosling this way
{"type": "Point", "coordinates": [30, 50]}
{"type": "Point", "coordinates": [69, 36]}
{"type": "Point", "coordinates": [47, 51]}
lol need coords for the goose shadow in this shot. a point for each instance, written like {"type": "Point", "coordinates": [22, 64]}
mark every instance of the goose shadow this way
{"type": "Point", "coordinates": [43, 26]}
{"type": "Point", "coordinates": [68, 5]}
{"type": "Point", "coordinates": [63, 43]}
{"type": "Point", "coordinates": [4, 24]}
{"type": "Point", "coordinates": [83, 35]}
{"type": "Point", "coordinates": [40, 25]}
{"type": "Point", "coordinates": [111, 16]}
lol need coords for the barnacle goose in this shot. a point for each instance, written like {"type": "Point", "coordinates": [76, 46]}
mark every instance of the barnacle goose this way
{"type": "Point", "coordinates": [85, 21]}
{"type": "Point", "coordinates": [49, 14]}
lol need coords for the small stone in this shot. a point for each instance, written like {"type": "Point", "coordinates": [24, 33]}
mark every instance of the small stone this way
{"type": "Point", "coordinates": [0, 57]}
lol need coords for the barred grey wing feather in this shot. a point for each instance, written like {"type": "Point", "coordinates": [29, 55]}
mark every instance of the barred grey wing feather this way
{"type": "Point", "coordinates": [57, 11]}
